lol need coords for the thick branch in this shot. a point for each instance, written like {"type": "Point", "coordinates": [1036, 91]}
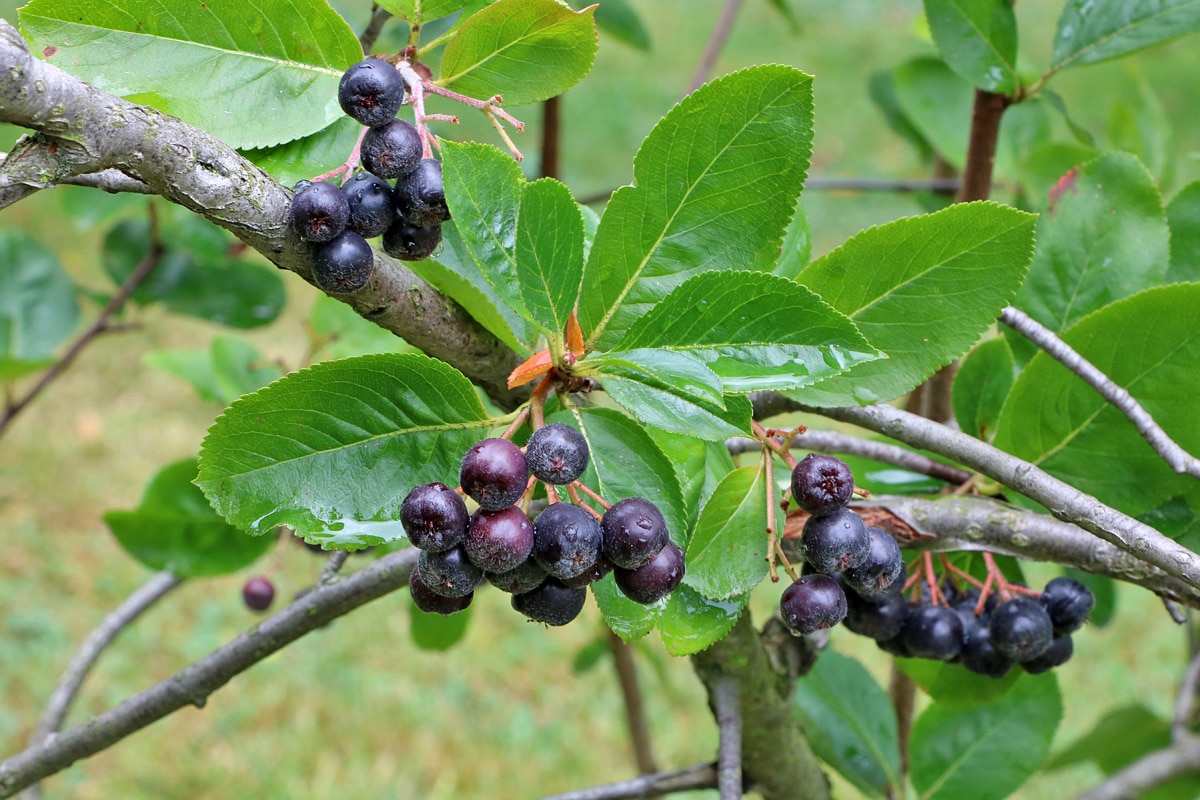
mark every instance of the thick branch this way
{"type": "Point", "coordinates": [1176, 457]}
{"type": "Point", "coordinates": [701, 776]}
{"type": "Point", "coordinates": [727, 706]}
{"type": "Point", "coordinates": [1147, 772]}
{"type": "Point", "coordinates": [192, 685]}
{"type": "Point", "coordinates": [832, 442]}
{"type": "Point", "coordinates": [83, 130]}
{"type": "Point", "coordinates": [981, 147]}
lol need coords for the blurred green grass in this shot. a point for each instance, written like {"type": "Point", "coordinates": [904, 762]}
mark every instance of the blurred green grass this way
{"type": "Point", "coordinates": [355, 710]}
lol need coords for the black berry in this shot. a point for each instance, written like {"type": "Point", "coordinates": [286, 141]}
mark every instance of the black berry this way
{"type": "Point", "coordinates": [409, 242]}
{"type": "Point", "coordinates": [524, 577]}
{"type": "Point", "coordinates": [557, 454]}
{"type": "Point", "coordinates": [258, 594]}
{"type": "Point", "coordinates": [822, 484]}
{"type": "Point", "coordinates": [372, 206]}
{"type": "Point", "coordinates": [371, 92]}
{"type": "Point", "coordinates": [319, 212]}
{"type": "Point", "coordinates": [449, 573]}
{"type": "Point", "coordinates": [1058, 653]}
{"type": "Point", "coordinates": [432, 603]}
{"type": "Point", "coordinates": [420, 197]}
{"type": "Point", "coordinates": [498, 541]}
{"type": "Point", "coordinates": [551, 603]}
{"type": "Point", "coordinates": [493, 473]}
{"type": "Point", "coordinates": [934, 632]}
{"type": "Point", "coordinates": [812, 603]}
{"type": "Point", "coordinates": [586, 578]}
{"type": "Point", "coordinates": [655, 579]}
{"type": "Point", "coordinates": [978, 653]}
{"type": "Point", "coordinates": [1021, 629]}
{"type": "Point", "coordinates": [434, 517]}
{"type": "Point", "coordinates": [392, 150]}
{"type": "Point", "coordinates": [566, 540]}
{"type": "Point", "coordinates": [344, 264]}
{"type": "Point", "coordinates": [1068, 602]}
{"type": "Point", "coordinates": [634, 532]}
{"type": "Point", "coordinates": [880, 569]}
{"type": "Point", "coordinates": [876, 618]}
{"type": "Point", "coordinates": [835, 542]}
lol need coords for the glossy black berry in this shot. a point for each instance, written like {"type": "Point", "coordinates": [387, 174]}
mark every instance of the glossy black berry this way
{"type": "Point", "coordinates": [371, 92]}
{"type": "Point", "coordinates": [882, 566]}
{"type": "Point", "coordinates": [551, 603]}
{"type": "Point", "coordinates": [1068, 602]}
{"type": "Point", "coordinates": [392, 150]}
{"type": "Point", "coordinates": [655, 579]}
{"type": "Point", "coordinates": [1058, 653]}
{"type": "Point", "coordinates": [498, 541]}
{"type": "Point", "coordinates": [524, 577]}
{"type": "Point", "coordinates": [812, 603]}
{"type": "Point", "coordinates": [344, 264]}
{"type": "Point", "coordinates": [979, 655]}
{"type": "Point", "coordinates": [879, 618]}
{"type": "Point", "coordinates": [434, 517]}
{"type": "Point", "coordinates": [566, 540]}
{"type": "Point", "coordinates": [822, 484]}
{"type": "Point", "coordinates": [372, 206]}
{"type": "Point", "coordinates": [449, 573]}
{"type": "Point", "coordinates": [432, 603]}
{"type": "Point", "coordinates": [258, 593]}
{"type": "Point", "coordinates": [597, 571]}
{"type": "Point", "coordinates": [557, 454]}
{"type": "Point", "coordinates": [634, 532]}
{"type": "Point", "coordinates": [1021, 629]}
{"type": "Point", "coordinates": [411, 242]}
{"type": "Point", "coordinates": [934, 632]}
{"type": "Point", "coordinates": [420, 197]}
{"type": "Point", "coordinates": [835, 542]}
{"type": "Point", "coordinates": [493, 473]}
{"type": "Point", "coordinates": [320, 212]}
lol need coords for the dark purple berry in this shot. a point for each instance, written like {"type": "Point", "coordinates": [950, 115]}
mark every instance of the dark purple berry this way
{"type": "Point", "coordinates": [812, 603]}
{"type": "Point", "coordinates": [372, 206]}
{"type": "Point", "coordinates": [551, 603]}
{"type": "Point", "coordinates": [1068, 602]}
{"type": "Point", "coordinates": [1021, 629]}
{"type": "Point", "coordinates": [258, 594]}
{"type": "Point", "coordinates": [392, 150]}
{"type": "Point", "coordinates": [880, 569]}
{"type": "Point", "coordinates": [498, 541]}
{"type": "Point", "coordinates": [655, 579]}
{"type": "Point", "coordinates": [432, 603]}
{"type": "Point", "coordinates": [557, 454]}
{"type": "Point", "coordinates": [449, 573]}
{"type": "Point", "coordinates": [598, 570]}
{"type": "Point", "coordinates": [566, 540]}
{"type": "Point", "coordinates": [371, 92]}
{"type": "Point", "coordinates": [978, 653]}
{"type": "Point", "coordinates": [409, 242]}
{"type": "Point", "coordinates": [822, 484]}
{"type": "Point", "coordinates": [420, 197]}
{"type": "Point", "coordinates": [493, 473]}
{"type": "Point", "coordinates": [634, 532]}
{"type": "Point", "coordinates": [434, 517]}
{"type": "Point", "coordinates": [934, 632]}
{"type": "Point", "coordinates": [835, 542]}
{"type": "Point", "coordinates": [876, 618]}
{"type": "Point", "coordinates": [897, 646]}
{"type": "Point", "coordinates": [524, 577]}
{"type": "Point", "coordinates": [320, 212]}
{"type": "Point", "coordinates": [1058, 653]}
{"type": "Point", "coordinates": [344, 264]}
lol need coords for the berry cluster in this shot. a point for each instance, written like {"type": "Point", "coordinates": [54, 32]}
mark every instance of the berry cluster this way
{"type": "Point", "coordinates": [408, 215]}
{"type": "Point", "coordinates": [545, 564]}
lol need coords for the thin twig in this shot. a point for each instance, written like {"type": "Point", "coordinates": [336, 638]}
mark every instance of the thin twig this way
{"type": "Point", "coordinates": [335, 563]}
{"type": "Point", "coordinates": [551, 135]}
{"type": "Point", "coordinates": [112, 181]}
{"type": "Point", "coordinates": [701, 776]}
{"type": "Point", "coordinates": [139, 274]}
{"type": "Point", "coordinates": [374, 27]}
{"type": "Point", "coordinates": [727, 702]}
{"type": "Point", "coordinates": [1147, 772]}
{"type": "Point", "coordinates": [635, 706]}
{"type": "Point", "coordinates": [1176, 457]}
{"type": "Point", "coordinates": [715, 44]}
{"type": "Point", "coordinates": [902, 690]}
{"type": "Point", "coordinates": [1185, 703]}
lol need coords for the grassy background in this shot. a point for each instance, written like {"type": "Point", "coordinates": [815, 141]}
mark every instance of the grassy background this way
{"type": "Point", "coordinates": [356, 710]}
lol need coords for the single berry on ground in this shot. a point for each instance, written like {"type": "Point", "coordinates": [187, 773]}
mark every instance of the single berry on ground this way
{"type": "Point", "coordinates": [392, 150]}
{"type": "Point", "coordinates": [258, 593]}
{"type": "Point", "coordinates": [1021, 629]}
{"type": "Point", "coordinates": [880, 569]}
{"type": "Point", "coordinates": [420, 196]}
{"type": "Point", "coordinates": [344, 264]}
{"type": "Point", "coordinates": [655, 579]}
{"type": "Point", "coordinates": [1068, 602]}
{"type": "Point", "coordinates": [822, 484]}
{"type": "Point", "coordinates": [934, 632]}
{"type": "Point", "coordinates": [371, 92]}
{"type": "Point", "coordinates": [812, 603]}
{"type": "Point", "coordinates": [449, 573]}
{"type": "Point", "coordinates": [430, 602]}
{"type": "Point", "coordinates": [372, 206]}
{"type": "Point", "coordinates": [566, 540]}
{"type": "Point", "coordinates": [493, 473]}
{"type": "Point", "coordinates": [498, 541]}
{"type": "Point", "coordinates": [319, 212]}
{"type": "Point", "coordinates": [835, 542]}
{"type": "Point", "coordinates": [409, 242]}
{"type": "Point", "coordinates": [551, 603]}
{"type": "Point", "coordinates": [556, 453]}
{"type": "Point", "coordinates": [634, 532]}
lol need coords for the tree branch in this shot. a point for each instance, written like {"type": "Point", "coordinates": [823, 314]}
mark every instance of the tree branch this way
{"type": "Point", "coordinates": [110, 180]}
{"type": "Point", "coordinates": [635, 708]}
{"type": "Point", "coordinates": [1185, 703]}
{"type": "Point", "coordinates": [715, 44]}
{"type": "Point", "coordinates": [727, 708]}
{"type": "Point", "coordinates": [83, 130]}
{"type": "Point", "coordinates": [1147, 772]}
{"type": "Point", "coordinates": [192, 685]}
{"type": "Point", "coordinates": [1176, 457]}
{"type": "Point", "coordinates": [374, 27]}
{"type": "Point", "coordinates": [981, 147]}
{"type": "Point", "coordinates": [701, 776]}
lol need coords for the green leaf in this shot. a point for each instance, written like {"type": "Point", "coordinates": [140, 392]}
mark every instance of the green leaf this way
{"type": "Point", "coordinates": [882, 88]}
{"type": "Point", "coordinates": [716, 184]}
{"type": "Point", "coordinates": [989, 751]}
{"type": "Point", "coordinates": [175, 529]}
{"type": "Point", "coordinates": [549, 253]}
{"type": "Point", "coordinates": [1081, 134]}
{"type": "Point", "coordinates": [1104, 237]}
{"type": "Point", "coordinates": [342, 333]}
{"type": "Point", "coordinates": [850, 722]}
{"type": "Point", "coordinates": [1096, 30]}
{"type": "Point", "coordinates": [728, 552]}
{"type": "Point", "coordinates": [418, 11]}
{"type": "Point", "coordinates": [952, 686]}
{"type": "Point", "coordinates": [692, 622]}
{"type": "Point", "coordinates": [13, 368]}
{"type": "Point", "coordinates": [437, 632]}
{"type": "Point", "coordinates": [627, 619]}
{"type": "Point", "coordinates": [38, 310]}
{"type": "Point", "coordinates": [1046, 165]}
{"type": "Point", "coordinates": [619, 20]}
{"type": "Point", "coordinates": [796, 251]}
{"type": "Point", "coordinates": [981, 384]}
{"type": "Point", "coordinates": [958, 267]}
{"type": "Point", "coordinates": [311, 155]}
{"type": "Point", "coordinates": [587, 657]}
{"type": "Point", "coordinates": [699, 466]}
{"type": "Point", "coordinates": [937, 103]}
{"type": "Point", "coordinates": [978, 39]}
{"type": "Point", "coordinates": [1183, 217]}
{"type": "Point", "coordinates": [230, 368]}
{"type": "Point", "coordinates": [255, 74]}
{"type": "Point", "coordinates": [1119, 738]}
{"type": "Point", "coordinates": [332, 448]}
{"type": "Point", "coordinates": [525, 50]}
{"type": "Point", "coordinates": [1150, 345]}
{"type": "Point", "coordinates": [720, 318]}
